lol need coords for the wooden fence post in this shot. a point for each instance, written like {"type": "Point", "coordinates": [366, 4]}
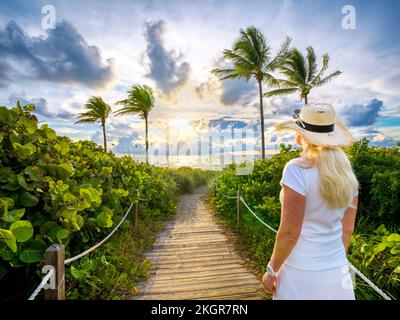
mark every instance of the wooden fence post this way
{"type": "Point", "coordinates": [54, 256]}
{"type": "Point", "coordinates": [238, 206]}
{"type": "Point", "coordinates": [136, 217]}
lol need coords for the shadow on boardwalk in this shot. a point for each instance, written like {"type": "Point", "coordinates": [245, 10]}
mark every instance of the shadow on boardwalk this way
{"type": "Point", "coordinates": [193, 259]}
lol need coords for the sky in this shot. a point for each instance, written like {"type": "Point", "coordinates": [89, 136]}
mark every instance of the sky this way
{"type": "Point", "coordinates": [101, 48]}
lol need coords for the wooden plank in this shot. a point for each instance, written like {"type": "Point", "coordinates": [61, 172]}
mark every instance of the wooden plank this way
{"type": "Point", "coordinates": [193, 259]}
{"type": "Point", "coordinates": [215, 280]}
{"type": "Point", "coordinates": [205, 294]}
{"type": "Point", "coordinates": [150, 290]}
{"type": "Point", "coordinates": [198, 275]}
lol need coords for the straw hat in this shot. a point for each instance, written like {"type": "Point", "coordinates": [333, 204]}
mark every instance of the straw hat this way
{"type": "Point", "coordinates": [318, 125]}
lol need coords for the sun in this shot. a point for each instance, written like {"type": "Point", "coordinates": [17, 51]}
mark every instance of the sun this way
{"type": "Point", "coordinates": [182, 125]}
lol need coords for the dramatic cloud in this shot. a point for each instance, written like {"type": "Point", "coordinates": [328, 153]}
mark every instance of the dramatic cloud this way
{"type": "Point", "coordinates": [283, 105]}
{"type": "Point", "coordinates": [165, 67]}
{"type": "Point", "coordinates": [358, 115]}
{"type": "Point", "coordinates": [238, 91]}
{"type": "Point", "coordinates": [63, 56]}
{"type": "Point", "coordinates": [41, 107]}
{"type": "Point", "coordinates": [234, 91]}
{"type": "Point", "coordinates": [66, 115]}
{"type": "Point", "coordinates": [226, 123]}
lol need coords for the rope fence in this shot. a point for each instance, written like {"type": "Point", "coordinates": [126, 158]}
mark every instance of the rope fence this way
{"type": "Point", "coordinates": [42, 284]}
{"type": "Point", "coordinates": [351, 266]}
{"type": "Point", "coordinates": [53, 281]}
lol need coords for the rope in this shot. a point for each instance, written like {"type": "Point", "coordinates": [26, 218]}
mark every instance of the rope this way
{"type": "Point", "coordinates": [101, 242]}
{"type": "Point", "coordinates": [369, 282]}
{"type": "Point", "coordinates": [224, 195]}
{"type": "Point", "coordinates": [257, 217]}
{"type": "Point", "coordinates": [358, 272]}
{"type": "Point", "coordinates": [41, 284]}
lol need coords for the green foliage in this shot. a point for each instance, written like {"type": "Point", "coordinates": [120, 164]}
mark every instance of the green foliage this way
{"type": "Point", "coordinates": [378, 172]}
{"type": "Point", "coordinates": [53, 190]}
{"type": "Point", "coordinates": [188, 179]}
{"type": "Point", "coordinates": [374, 249]}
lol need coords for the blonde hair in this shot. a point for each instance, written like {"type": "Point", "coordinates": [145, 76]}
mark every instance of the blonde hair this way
{"type": "Point", "coordinates": [337, 179]}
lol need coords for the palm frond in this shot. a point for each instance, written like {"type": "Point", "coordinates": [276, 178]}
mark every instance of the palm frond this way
{"type": "Point", "coordinates": [96, 110]}
{"type": "Point", "coordinates": [325, 62]}
{"type": "Point", "coordinates": [280, 56]}
{"type": "Point", "coordinates": [140, 101]}
{"type": "Point", "coordinates": [278, 92]}
{"type": "Point", "coordinates": [325, 80]}
{"type": "Point", "coordinates": [224, 74]}
{"type": "Point", "coordinates": [311, 64]}
{"type": "Point", "coordinates": [297, 62]}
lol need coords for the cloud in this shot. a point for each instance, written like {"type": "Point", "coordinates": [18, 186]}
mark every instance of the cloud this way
{"type": "Point", "coordinates": [165, 67]}
{"type": "Point", "coordinates": [238, 91]}
{"type": "Point", "coordinates": [62, 56]}
{"type": "Point", "coordinates": [41, 107]}
{"type": "Point", "coordinates": [363, 114]}
{"type": "Point", "coordinates": [226, 123]}
{"type": "Point", "coordinates": [66, 115]}
{"type": "Point", "coordinates": [283, 105]}
{"type": "Point", "coordinates": [5, 74]}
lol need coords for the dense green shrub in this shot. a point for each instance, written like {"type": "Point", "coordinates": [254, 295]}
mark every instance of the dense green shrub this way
{"type": "Point", "coordinates": [375, 253]}
{"type": "Point", "coordinates": [53, 190]}
{"type": "Point", "coordinates": [188, 179]}
{"type": "Point", "coordinates": [378, 171]}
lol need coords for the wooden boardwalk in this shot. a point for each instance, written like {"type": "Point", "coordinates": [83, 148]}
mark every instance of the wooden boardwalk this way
{"type": "Point", "coordinates": [192, 259]}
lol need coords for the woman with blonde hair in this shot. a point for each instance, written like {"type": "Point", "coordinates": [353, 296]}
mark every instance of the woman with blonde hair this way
{"type": "Point", "coordinates": [319, 199]}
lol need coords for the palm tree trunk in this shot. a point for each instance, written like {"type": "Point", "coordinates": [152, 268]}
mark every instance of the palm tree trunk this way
{"type": "Point", "coordinates": [146, 137]}
{"type": "Point", "coordinates": [305, 99]}
{"type": "Point", "coordinates": [104, 137]}
{"type": "Point", "coordinates": [262, 120]}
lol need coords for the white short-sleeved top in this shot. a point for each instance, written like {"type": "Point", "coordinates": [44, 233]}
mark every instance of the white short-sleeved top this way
{"type": "Point", "coordinates": [320, 244]}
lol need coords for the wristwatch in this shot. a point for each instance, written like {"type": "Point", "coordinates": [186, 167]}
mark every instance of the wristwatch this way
{"type": "Point", "coordinates": [270, 271]}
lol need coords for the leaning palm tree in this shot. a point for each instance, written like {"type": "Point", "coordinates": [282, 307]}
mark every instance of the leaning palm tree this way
{"type": "Point", "coordinates": [140, 101]}
{"type": "Point", "coordinates": [301, 74]}
{"type": "Point", "coordinates": [96, 110]}
{"type": "Point", "coordinates": [249, 57]}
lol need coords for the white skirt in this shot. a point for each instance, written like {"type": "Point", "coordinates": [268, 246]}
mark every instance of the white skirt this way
{"type": "Point", "coordinates": [331, 284]}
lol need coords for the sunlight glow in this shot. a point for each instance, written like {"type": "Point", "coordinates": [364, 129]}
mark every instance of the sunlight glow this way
{"type": "Point", "coordinates": [182, 126]}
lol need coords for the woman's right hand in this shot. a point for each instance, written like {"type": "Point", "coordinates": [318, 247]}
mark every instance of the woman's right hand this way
{"type": "Point", "coordinates": [269, 283]}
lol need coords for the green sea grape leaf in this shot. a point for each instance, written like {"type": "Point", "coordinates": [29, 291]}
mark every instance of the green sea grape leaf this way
{"type": "Point", "coordinates": [62, 147]}
{"type": "Point", "coordinates": [8, 237]}
{"type": "Point", "coordinates": [22, 182]}
{"type": "Point", "coordinates": [104, 220]}
{"type": "Point", "coordinates": [14, 215]}
{"type": "Point", "coordinates": [6, 203]}
{"type": "Point", "coordinates": [24, 151]}
{"type": "Point", "coordinates": [12, 183]}
{"type": "Point", "coordinates": [62, 234]}
{"type": "Point", "coordinates": [27, 199]}
{"type": "Point", "coordinates": [6, 253]}
{"type": "Point", "coordinates": [33, 251]}
{"type": "Point", "coordinates": [34, 173]}
{"type": "Point", "coordinates": [395, 250]}
{"type": "Point", "coordinates": [22, 230]}
{"type": "Point", "coordinates": [394, 237]}
{"type": "Point", "coordinates": [64, 171]}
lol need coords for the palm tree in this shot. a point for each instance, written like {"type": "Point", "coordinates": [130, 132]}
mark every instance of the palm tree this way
{"type": "Point", "coordinates": [97, 110]}
{"type": "Point", "coordinates": [140, 101]}
{"type": "Point", "coordinates": [250, 56]}
{"type": "Point", "coordinates": [301, 74]}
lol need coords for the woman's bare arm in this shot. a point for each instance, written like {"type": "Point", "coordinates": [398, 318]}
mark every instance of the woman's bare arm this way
{"type": "Point", "coordinates": [348, 222]}
{"type": "Point", "coordinates": [292, 217]}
